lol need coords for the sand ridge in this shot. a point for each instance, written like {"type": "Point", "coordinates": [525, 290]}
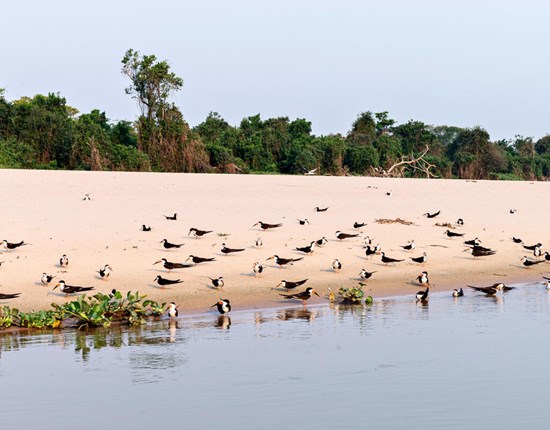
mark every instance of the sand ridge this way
{"type": "Point", "coordinates": [47, 210]}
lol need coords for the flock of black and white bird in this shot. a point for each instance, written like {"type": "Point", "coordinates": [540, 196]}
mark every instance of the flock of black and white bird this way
{"type": "Point", "coordinates": [473, 246]}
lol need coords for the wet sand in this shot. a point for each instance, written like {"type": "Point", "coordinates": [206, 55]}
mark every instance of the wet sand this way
{"type": "Point", "coordinates": [47, 210]}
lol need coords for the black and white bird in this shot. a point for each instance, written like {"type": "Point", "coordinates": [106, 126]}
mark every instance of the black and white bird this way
{"type": "Point", "coordinates": [473, 242]}
{"type": "Point", "coordinates": [547, 283]}
{"type": "Point", "coordinates": [198, 233]}
{"type": "Point", "coordinates": [432, 215]}
{"type": "Point", "coordinates": [284, 261]}
{"type": "Point", "coordinates": [532, 247]}
{"type": "Point", "coordinates": [336, 265]}
{"type": "Point", "coordinates": [86, 197]}
{"type": "Point", "coordinates": [169, 265]}
{"type": "Point", "coordinates": [303, 295]}
{"type": "Point", "coordinates": [217, 282]}
{"type": "Point", "coordinates": [307, 249]}
{"type": "Point", "coordinates": [223, 306]}
{"type": "Point", "coordinates": [266, 226]}
{"type": "Point", "coordinates": [321, 242]}
{"type": "Point", "coordinates": [172, 310]}
{"type": "Point", "coordinates": [369, 251]}
{"type": "Point", "coordinates": [71, 289]}
{"type": "Point", "coordinates": [460, 221]}
{"type": "Point", "coordinates": [517, 240]}
{"type": "Point", "coordinates": [341, 236]}
{"type": "Point", "coordinates": [258, 243]}
{"type": "Point", "coordinates": [388, 260]}
{"type": "Point", "coordinates": [513, 211]}
{"type": "Point", "coordinates": [546, 256]}
{"type": "Point", "coordinates": [537, 252]}
{"type": "Point", "coordinates": [420, 260]}
{"type": "Point", "coordinates": [493, 289]}
{"type": "Point", "coordinates": [423, 278]}
{"type": "Point", "coordinates": [367, 240]}
{"type": "Point", "coordinates": [364, 275]}
{"type": "Point", "coordinates": [197, 260]}
{"type": "Point", "coordinates": [528, 263]}
{"type": "Point", "coordinates": [169, 245]}
{"type": "Point", "coordinates": [257, 268]}
{"type": "Point", "coordinates": [449, 233]}
{"type": "Point", "coordinates": [7, 296]}
{"type": "Point", "coordinates": [458, 293]}
{"type": "Point", "coordinates": [289, 285]}
{"type": "Point", "coordinates": [389, 193]}
{"type": "Point", "coordinates": [164, 281]}
{"type": "Point", "coordinates": [303, 221]}
{"type": "Point", "coordinates": [480, 251]}
{"type": "Point", "coordinates": [145, 228]}
{"type": "Point", "coordinates": [409, 246]}
{"type": "Point", "coordinates": [359, 224]}
{"type": "Point", "coordinates": [422, 296]}
{"type": "Point", "coordinates": [105, 272]}
{"type": "Point", "coordinates": [318, 209]}
{"type": "Point", "coordinates": [12, 245]}
{"type": "Point", "coordinates": [64, 261]}
{"type": "Point", "coordinates": [46, 279]}
{"type": "Point", "coordinates": [171, 218]}
{"type": "Point", "coordinates": [225, 250]}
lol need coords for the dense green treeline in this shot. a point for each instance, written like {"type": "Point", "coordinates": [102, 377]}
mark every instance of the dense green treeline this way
{"type": "Point", "coordinates": [45, 132]}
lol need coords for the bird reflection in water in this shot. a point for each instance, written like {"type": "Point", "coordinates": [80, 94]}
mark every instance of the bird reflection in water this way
{"type": "Point", "coordinates": [173, 327]}
{"type": "Point", "coordinates": [223, 322]}
{"type": "Point", "coordinates": [292, 314]}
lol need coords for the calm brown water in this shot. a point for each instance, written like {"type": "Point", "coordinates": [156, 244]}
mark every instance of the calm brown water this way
{"type": "Point", "coordinates": [473, 362]}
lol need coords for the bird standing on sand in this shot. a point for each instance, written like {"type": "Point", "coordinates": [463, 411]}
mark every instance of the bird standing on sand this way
{"type": "Point", "coordinates": [473, 242]}
{"type": "Point", "coordinates": [318, 209]}
{"type": "Point", "coordinates": [409, 246]}
{"type": "Point", "coordinates": [86, 197]}
{"type": "Point", "coordinates": [537, 252]}
{"type": "Point", "coordinates": [71, 289]}
{"type": "Point", "coordinates": [10, 245]}
{"type": "Point", "coordinates": [145, 228]}
{"type": "Point", "coordinates": [197, 260]}
{"type": "Point", "coordinates": [429, 215]}
{"type": "Point", "coordinates": [289, 285]}
{"type": "Point", "coordinates": [217, 282]}
{"type": "Point", "coordinates": [336, 265]}
{"type": "Point", "coordinates": [303, 296]}
{"type": "Point", "coordinates": [266, 226]}
{"type": "Point", "coordinates": [458, 293]}
{"type": "Point", "coordinates": [423, 279]}
{"type": "Point", "coordinates": [198, 233]}
{"type": "Point", "coordinates": [257, 268]}
{"type": "Point", "coordinates": [4, 296]}
{"type": "Point", "coordinates": [517, 240]}
{"type": "Point", "coordinates": [105, 271]}
{"type": "Point", "coordinates": [388, 260]}
{"type": "Point", "coordinates": [223, 306]}
{"type": "Point", "coordinates": [303, 221]}
{"type": "Point", "coordinates": [258, 242]}
{"type": "Point", "coordinates": [307, 249]}
{"type": "Point", "coordinates": [532, 247]}
{"type": "Point", "coordinates": [528, 263]}
{"type": "Point", "coordinates": [341, 236]}
{"type": "Point", "coordinates": [64, 261]}
{"type": "Point", "coordinates": [284, 261]}
{"type": "Point", "coordinates": [460, 221]}
{"type": "Point", "coordinates": [546, 256]}
{"type": "Point", "coordinates": [369, 251]}
{"type": "Point", "coordinates": [449, 233]}
{"type": "Point", "coordinates": [480, 251]}
{"type": "Point", "coordinates": [359, 224]}
{"type": "Point", "coordinates": [46, 279]}
{"type": "Point", "coordinates": [364, 275]}
{"type": "Point", "coordinates": [169, 245]}
{"type": "Point", "coordinates": [172, 310]}
{"type": "Point", "coordinates": [421, 260]}
{"type": "Point", "coordinates": [163, 281]}
{"type": "Point", "coordinates": [227, 250]}
{"type": "Point", "coordinates": [171, 218]}
{"type": "Point", "coordinates": [168, 265]}
{"type": "Point", "coordinates": [321, 242]}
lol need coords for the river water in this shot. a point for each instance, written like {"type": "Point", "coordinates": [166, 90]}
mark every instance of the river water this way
{"type": "Point", "coordinates": [454, 363]}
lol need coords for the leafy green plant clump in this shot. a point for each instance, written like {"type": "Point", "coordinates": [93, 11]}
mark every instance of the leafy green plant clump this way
{"type": "Point", "coordinates": [99, 310]}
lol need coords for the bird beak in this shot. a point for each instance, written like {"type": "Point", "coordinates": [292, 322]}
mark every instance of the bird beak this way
{"type": "Point", "coordinates": [161, 241]}
{"type": "Point", "coordinates": [315, 292]}
{"type": "Point", "coordinates": [270, 258]}
{"type": "Point", "coordinates": [188, 258]}
{"type": "Point", "coordinates": [55, 287]}
{"type": "Point", "coordinates": [160, 261]}
{"type": "Point", "coordinates": [255, 225]}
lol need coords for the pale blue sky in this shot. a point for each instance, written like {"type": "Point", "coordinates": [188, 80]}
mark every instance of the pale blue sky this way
{"type": "Point", "coordinates": [461, 63]}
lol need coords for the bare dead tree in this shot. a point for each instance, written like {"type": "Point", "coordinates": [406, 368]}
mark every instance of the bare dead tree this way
{"type": "Point", "coordinates": [416, 163]}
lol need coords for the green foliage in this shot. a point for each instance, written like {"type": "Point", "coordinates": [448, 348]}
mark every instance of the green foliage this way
{"type": "Point", "coordinates": [351, 295]}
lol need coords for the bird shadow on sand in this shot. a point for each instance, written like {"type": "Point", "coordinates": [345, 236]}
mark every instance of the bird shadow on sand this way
{"type": "Point", "coordinates": [251, 275]}
{"type": "Point", "coordinates": [159, 287]}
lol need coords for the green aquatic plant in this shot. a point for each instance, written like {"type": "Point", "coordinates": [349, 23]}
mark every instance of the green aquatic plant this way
{"type": "Point", "coordinates": [40, 319]}
{"type": "Point", "coordinates": [351, 295]}
{"type": "Point", "coordinates": [7, 316]}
